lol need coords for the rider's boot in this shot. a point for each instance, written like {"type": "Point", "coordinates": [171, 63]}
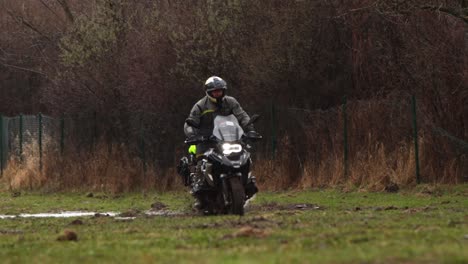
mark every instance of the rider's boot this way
{"type": "Point", "coordinates": [197, 205]}
{"type": "Point", "coordinates": [184, 170]}
{"type": "Point", "coordinates": [251, 187]}
{"type": "Point", "coordinates": [197, 183]}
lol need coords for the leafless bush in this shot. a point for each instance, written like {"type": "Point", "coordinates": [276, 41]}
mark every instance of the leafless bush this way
{"type": "Point", "coordinates": [122, 58]}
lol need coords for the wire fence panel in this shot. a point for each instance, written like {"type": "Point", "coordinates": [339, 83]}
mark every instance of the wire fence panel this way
{"type": "Point", "coordinates": [444, 154]}
{"type": "Point", "coordinates": [313, 139]}
{"type": "Point", "coordinates": [380, 140]}
{"type": "Point", "coordinates": [360, 141]}
{"type": "Point", "coordinates": [4, 142]}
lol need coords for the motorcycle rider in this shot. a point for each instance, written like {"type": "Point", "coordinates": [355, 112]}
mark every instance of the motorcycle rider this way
{"type": "Point", "coordinates": [200, 121]}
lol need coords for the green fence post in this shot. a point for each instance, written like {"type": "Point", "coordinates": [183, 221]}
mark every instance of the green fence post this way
{"type": "Point", "coordinates": [142, 147]}
{"type": "Point", "coordinates": [273, 129]}
{"type": "Point", "coordinates": [62, 134]}
{"type": "Point", "coordinates": [1, 145]}
{"type": "Point", "coordinates": [40, 141]}
{"type": "Point", "coordinates": [415, 135]}
{"type": "Point", "coordinates": [21, 137]}
{"type": "Point", "coordinates": [345, 138]}
{"type": "Point", "coordinates": [94, 130]}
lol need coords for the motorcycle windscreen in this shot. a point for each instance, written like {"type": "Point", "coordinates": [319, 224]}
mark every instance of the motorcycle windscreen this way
{"type": "Point", "coordinates": [227, 128]}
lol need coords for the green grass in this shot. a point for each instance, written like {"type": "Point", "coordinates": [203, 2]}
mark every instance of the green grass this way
{"type": "Point", "coordinates": [416, 226]}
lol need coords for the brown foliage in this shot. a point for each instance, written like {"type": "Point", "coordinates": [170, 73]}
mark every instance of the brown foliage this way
{"type": "Point", "coordinates": [127, 57]}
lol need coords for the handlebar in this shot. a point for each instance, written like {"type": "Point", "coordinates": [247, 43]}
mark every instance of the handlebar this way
{"type": "Point", "coordinates": [252, 136]}
{"type": "Point", "coordinates": [199, 139]}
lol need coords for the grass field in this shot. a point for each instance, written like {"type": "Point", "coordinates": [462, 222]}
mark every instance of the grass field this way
{"type": "Point", "coordinates": [424, 225]}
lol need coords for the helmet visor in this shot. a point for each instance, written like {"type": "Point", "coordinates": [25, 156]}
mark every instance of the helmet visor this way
{"type": "Point", "coordinates": [217, 93]}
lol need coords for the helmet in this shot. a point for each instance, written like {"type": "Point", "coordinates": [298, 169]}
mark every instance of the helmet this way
{"type": "Point", "coordinates": [215, 83]}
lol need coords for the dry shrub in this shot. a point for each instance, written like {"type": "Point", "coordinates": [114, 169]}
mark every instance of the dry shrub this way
{"type": "Point", "coordinates": [381, 149]}
{"type": "Point", "coordinates": [379, 168]}
{"type": "Point", "coordinates": [323, 174]}
{"type": "Point", "coordinates": [113, 169]}
{"type": "Point", "coordinates": [283, 171]}
{"type": "Point", "coordinates": [270, 176]}
{"type": "Point", "coordinates": [23, 172]}
{"type": "Point", "coordinates": [381, 153]}
{"type": "Point", "coordinates": [106, 169]}
{"type": "Point", "coordinates": [20, 175]}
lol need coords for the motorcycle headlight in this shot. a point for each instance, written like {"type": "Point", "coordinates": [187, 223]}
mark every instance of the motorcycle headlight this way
{"type": "Point", "coordinates": [231, 148]}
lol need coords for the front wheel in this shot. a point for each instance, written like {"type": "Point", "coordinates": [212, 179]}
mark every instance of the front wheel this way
{"type": "Point", "coordinates": [237, 194]}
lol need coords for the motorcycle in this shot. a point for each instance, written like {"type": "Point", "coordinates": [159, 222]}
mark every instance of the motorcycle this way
{"type": "Point", "coordinates": [222, 175]}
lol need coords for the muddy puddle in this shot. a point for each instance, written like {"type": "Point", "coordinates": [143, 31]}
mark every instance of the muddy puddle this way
{"type": "Point", "coordinates": [65, 214]}
{"type": "Point", "coordinates": [116, 215]}
{"type": "Point", "coordinates": [157, 209]}
{"type": "Point", "coordinates": [273, 206]}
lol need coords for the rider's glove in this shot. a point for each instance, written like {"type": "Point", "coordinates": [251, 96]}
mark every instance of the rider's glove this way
{"type": "Point", "coordinates": [253, 134]}
{"type": "Point", "coordinates": [192, 138]}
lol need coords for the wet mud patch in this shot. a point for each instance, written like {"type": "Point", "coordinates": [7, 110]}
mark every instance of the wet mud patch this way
{"type": "Point", "coordinates": [76, 222]}
{"type": "Point", "coordinates": [273, 206]}
{"type": "Point", "coordinates": [209, 225]}
{"type": "Point", "coordinates": [99, 215]}
{"type": "Point", "coordinates": [386, 208]}
{"type": "Point", "coordinates": [11, 232]}
{"type": "Point", "coordinates": [165, 212]}
{"type": "Point", "coordinates": [130, 213]}
{"type": "Point", "coordinates": [161, 209]}
{"type": "Point", "coordinates": [418, 209]}
{"type": "Point", "coordinates": [259, 222]}
{"type": "Point", "coordinates": [248, 231]}
{"type": "Point", "coordinates": [158, 206]}
{"type": "Point", "coordinates": [103, 196]}
{"type": "Point", "coordinates": [404, 209]}
{"type": "Point", "coordinates": [68, 235]}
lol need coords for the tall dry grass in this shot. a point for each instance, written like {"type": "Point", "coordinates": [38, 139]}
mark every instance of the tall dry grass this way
{"type": "Point", "coordinates": [105, 169]}
{"type": "Point", "coordinates": [310, 153]}
{"type": "Point", "coordinates": [23, 172]}
{"type": "Point", "coordinates": [381, 150]}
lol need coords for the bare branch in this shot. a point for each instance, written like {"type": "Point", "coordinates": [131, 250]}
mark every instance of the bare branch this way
{"type": "Point", "coordinates": [92, 91]}
{"type": "Point", "coordinates": [356, 10]}
{"type": "Point", "coordinates": [66, 9]}
{"type": "Point", "coordinates": [450, 11]}
{"type": "Point", "coordinates": [23, 69]}
{"type": "Point", "coordinates": [27, 24]}
{"type": "Point", "coordinates": [50, 9]}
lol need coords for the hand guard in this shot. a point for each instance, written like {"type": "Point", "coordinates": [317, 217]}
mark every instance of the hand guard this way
{"type": "Point", "coordinates": [253, 134]}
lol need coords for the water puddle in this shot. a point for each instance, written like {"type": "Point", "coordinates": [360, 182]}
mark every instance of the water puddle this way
{"type": "Point", "coordinates": [116, 215]}
{"type": "Point", "coordinates": [164, 213]}
{"type": "Point", "coordinates": [65, 214]}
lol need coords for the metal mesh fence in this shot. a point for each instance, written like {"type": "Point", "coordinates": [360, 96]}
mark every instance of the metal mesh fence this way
{"type": "Point", "coordinates": [380, 140]}
{"type": "Point", "coordinates": [358, 139]}
{"type": "Point", "coordinates": [3, 142]}
{"type": "Point", "coordinates": [372, 141]}
{"type": "Point", "coordinates": [28, 133]}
